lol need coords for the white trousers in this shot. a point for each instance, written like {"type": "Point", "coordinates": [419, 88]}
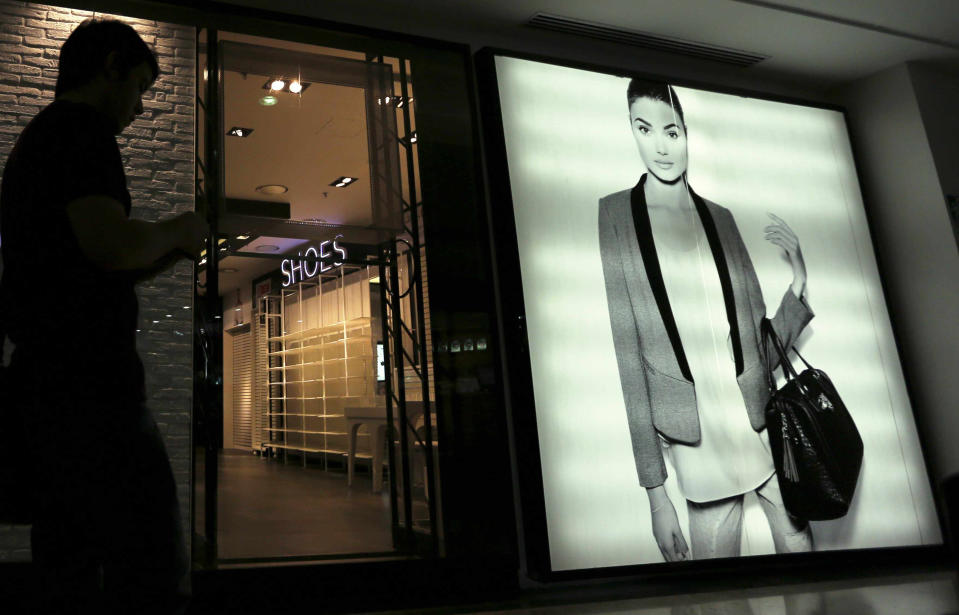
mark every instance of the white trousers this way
{"type": "Point", "coordinates": [715, 528]}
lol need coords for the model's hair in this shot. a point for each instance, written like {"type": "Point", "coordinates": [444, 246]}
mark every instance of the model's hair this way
{"type": "Point", "coordinates": [84, 53]}
{"type": "Point", "coordinates": [657, 90]}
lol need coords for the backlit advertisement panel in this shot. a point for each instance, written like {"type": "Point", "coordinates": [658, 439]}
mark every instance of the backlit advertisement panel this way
{"type": "Point", "coordinates": [657, 225]}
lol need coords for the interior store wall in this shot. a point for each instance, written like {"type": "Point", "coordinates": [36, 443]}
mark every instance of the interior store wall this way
{"type": "Point", "coordinates": [237, 310]}
{"type": "Point", "coordinates": [158, 155]}
{"type": "Point", "coordinates": [353, 301]}
{"type": "Point", "coordinates": [903, 122]}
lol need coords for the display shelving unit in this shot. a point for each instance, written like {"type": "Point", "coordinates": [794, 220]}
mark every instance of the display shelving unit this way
{"type": "Point", "coordinates": [316, 357]}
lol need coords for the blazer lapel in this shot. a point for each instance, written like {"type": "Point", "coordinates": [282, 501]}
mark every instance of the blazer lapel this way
{"type": "Point", "coordinates": [647, 246]}
{"type": "Point", "coordinates": [654, 274]}
{"type": "Point", "coordinates": [722, 268]}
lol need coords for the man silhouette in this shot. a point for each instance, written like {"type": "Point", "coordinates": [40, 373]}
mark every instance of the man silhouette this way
{"type": "Point", "coordinates": [106, 536]}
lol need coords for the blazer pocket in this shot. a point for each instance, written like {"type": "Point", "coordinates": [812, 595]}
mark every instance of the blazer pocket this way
{"type": "Point", "coordinates": [672, 403]}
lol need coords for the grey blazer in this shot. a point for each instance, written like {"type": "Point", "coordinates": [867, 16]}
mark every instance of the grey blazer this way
{"type": "Point", "coordinates": [658, 389]}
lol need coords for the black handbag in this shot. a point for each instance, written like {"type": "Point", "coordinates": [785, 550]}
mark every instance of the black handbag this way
{"type": "Point", "coordinates": [816, 447]}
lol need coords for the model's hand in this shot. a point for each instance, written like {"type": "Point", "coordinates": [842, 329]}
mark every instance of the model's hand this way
{"type": "Point", "coordinates": [780, 234]}
{"type": "Point", "coordinates": [666, 528]}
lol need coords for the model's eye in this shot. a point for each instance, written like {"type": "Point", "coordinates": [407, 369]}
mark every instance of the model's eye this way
{"type": "Point", "coordinates": [643, 130]}
{"type": "Point", "coordinates": [673, 134]}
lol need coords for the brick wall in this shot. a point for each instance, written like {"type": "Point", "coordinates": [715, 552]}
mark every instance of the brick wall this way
{"type": "Point", "coordinates": [157, 151]}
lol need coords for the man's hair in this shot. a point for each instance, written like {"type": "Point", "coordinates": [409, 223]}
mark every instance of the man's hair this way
{"type": "Point", "coordinates": [657, 90]}
{"type": "Point", "coordinates": [84, 53]}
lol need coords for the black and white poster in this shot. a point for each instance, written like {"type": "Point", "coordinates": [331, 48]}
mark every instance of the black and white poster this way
{"type": "Point", "coordinates": [656, 226]}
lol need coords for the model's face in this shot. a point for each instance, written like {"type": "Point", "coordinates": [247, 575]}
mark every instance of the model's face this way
{"type": "Point", "coordinates": [661, 138]}
{"type": "Point", "coordinates": [125, 101]}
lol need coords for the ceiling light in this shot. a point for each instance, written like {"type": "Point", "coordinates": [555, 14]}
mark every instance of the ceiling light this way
{"type": "Point", "coordinates": [267, 247]}
{"type": "Point", "coordinates": [268, 101]}
{"type": "Point", "coordinates": [203, 261]}
{"type": "Point", "coordinates": [272, 189]}
{"type": "Point", "coordinates": [396, 101]}
{"type": "Point", "coordinates": [242, 237]}
{"type": "Point", "coordinates": [343, 182]}
{"type": "Point", "coordinates": [228, 270]}
{"type": "Point", "coordinates": [238, 131]}
{"type": "Point", "coordinates": [280, 84]}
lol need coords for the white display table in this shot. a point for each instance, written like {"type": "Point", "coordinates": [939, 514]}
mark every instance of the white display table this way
{"type": "Point", "coordinates": [375, 418]}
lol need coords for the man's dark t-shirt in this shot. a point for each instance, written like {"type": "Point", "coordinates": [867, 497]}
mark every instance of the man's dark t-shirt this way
{"type": "Point", "coordinates": [60, 310]}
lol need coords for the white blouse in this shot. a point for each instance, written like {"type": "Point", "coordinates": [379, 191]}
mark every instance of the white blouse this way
{"type": "Point", "coordinates": [731, 457]}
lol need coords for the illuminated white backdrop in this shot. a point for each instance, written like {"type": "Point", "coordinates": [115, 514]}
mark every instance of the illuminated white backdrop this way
{"type": "Point", "coordinates": [568, 144]}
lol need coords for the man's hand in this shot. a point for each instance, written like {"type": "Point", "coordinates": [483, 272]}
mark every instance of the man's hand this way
{"type": "Point", "coordinates": [193, 231]}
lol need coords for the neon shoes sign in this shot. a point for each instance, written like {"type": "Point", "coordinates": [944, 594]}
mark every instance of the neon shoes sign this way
{"type": "Point", "coordinates": [298, 270]}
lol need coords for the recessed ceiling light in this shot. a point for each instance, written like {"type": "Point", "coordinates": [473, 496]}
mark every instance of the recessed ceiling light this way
{"type": "Point", "coordinates": [203, 261]}
{"type": "Point", "coordinates": [397, 101]}
{"type": "Point", "coordinates": [281, 84]}
{"type": "Point", "coordinates": [267, 247]}
{"type": "Point", "coordinates": [272, 189]}
{"type": "Point", "coordinates": [242, 237]}
{"type": "Point", "coordinates": [343, 182]}
{"type": "Point", "coordinates": [238, 131]}
{"type": "Point", "coordinates": [268, 101]}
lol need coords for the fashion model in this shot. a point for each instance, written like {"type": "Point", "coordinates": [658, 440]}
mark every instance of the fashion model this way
{"type": "Point", "coordinates": [685, 307]}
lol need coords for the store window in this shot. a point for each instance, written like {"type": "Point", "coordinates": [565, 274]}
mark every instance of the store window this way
{"type": "Point", "coordinates": [325, 444]}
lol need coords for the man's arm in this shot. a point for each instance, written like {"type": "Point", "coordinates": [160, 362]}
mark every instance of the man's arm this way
{"type": "Point", "coordinates": [160, 266]}
{"type": "Point", "coordinates": [115, 243]}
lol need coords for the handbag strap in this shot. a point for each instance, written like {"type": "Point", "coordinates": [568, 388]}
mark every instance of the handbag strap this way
{"type": "Point", "coordinates": [789, 372]}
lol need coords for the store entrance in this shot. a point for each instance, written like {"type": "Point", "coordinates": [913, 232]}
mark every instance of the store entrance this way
{"type": "Point", "coordinates": [314, 436]}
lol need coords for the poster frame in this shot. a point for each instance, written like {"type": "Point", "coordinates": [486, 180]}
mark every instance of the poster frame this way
{"type": "Point", "coordinates": [530, 502]}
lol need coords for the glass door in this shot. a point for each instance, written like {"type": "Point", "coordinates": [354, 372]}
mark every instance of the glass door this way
{"type": "Point", "coordinates": [314, 433]}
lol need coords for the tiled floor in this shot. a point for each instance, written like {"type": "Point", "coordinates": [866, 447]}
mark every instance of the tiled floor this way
{"type": "Point", "coordinates": [932, 593]}
{"type": "Point", "coordinates": [271, 509]}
